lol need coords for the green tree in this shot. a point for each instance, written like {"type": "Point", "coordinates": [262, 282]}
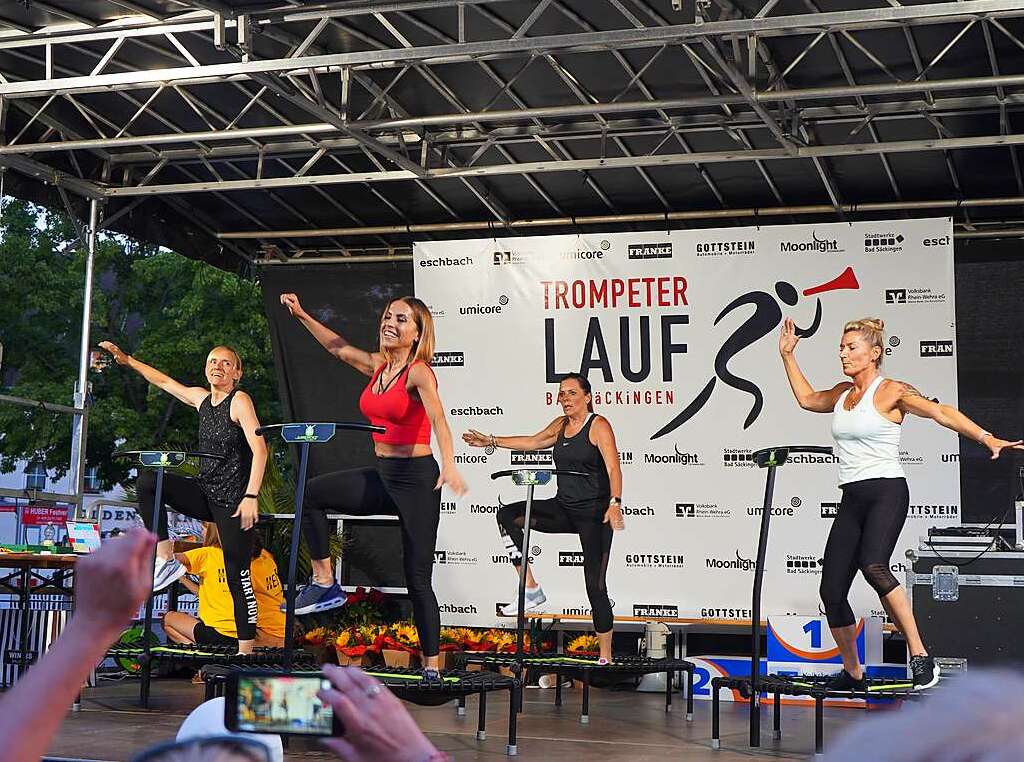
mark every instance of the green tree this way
{"type": "Point", "coordinates": [163, 308]}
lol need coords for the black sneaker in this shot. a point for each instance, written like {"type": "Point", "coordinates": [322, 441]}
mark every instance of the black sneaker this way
{"type": "Point", "coordinates": [924, 671]}
{"type": "Point", "coordinates": [846, 682]}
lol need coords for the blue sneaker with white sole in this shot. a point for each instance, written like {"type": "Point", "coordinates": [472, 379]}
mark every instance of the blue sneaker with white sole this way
{"type": "Point", "coordinates": [314, 598]}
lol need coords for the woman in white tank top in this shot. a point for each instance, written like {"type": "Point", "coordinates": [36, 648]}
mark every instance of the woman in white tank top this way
{"type": "Point", "coordinates": [867, 413]}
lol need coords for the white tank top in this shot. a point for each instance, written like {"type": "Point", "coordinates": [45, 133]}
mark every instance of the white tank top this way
{"type": "Point", "coordinates": [867, 443]}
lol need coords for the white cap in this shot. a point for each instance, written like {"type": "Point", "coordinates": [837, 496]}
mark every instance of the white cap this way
{"type": "Point", "coordinates": [207, 719]}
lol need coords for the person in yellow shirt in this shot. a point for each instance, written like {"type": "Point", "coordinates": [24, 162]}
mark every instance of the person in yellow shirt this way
{"type": "Point", "coordinates": [216, 623]}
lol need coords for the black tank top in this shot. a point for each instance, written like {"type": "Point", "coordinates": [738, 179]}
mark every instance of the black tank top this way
{"type": "Point", "coordinates": [223, 481]}
{"type": "Point", "coordinates": [577, 453]}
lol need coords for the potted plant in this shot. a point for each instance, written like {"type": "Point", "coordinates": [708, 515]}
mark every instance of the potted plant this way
{"type": "Point", "coordinates": [357, 645]}
{"type": "Point", "coordinates": [400, 644]}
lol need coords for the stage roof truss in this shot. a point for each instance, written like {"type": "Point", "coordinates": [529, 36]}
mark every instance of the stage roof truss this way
{"type": "Point", "coordinates": [340, 128]}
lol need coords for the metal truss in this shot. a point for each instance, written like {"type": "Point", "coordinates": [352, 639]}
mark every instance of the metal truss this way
{"type": "Point", "coordinates": [376, 93]}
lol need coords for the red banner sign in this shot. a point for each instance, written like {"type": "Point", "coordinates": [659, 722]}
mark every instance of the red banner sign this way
{"type": "Point", "coordinates": [41, 515]}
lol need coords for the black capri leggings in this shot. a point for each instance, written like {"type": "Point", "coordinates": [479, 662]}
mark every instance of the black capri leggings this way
{"type": "Point", "coordinates": [552, 517]}
{"type": "Point", "coordinates": [403, 487]}
{"type": "Point", "coordinates": [864, 534]}
{"type": "Point", "coordinates": [185, 495]}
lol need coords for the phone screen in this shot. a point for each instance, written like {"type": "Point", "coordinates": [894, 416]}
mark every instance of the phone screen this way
{"type": "Point", "coordinates": [283, 704]}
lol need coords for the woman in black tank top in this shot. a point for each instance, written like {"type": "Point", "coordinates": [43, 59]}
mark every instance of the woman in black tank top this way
{"type": "Point", "coordinates": [586, 506]}
{"type": "Point", "coordinates": [225, 492]}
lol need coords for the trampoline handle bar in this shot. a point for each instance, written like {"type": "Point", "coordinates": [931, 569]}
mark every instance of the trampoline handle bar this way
{"type": "Point", "coordinates": [342, 425]}
{"type": "Point", "coordinates": [818, 449]}
{"type": "Point", "coordinates": [553, 471]}
{"type": "Point", "coordinates": [188, 454]}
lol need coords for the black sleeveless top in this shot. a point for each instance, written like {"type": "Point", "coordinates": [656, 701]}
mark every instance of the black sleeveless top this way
{"type": "Point", "coordinates": [577, 453]}
{"type": "Point", "coordinates": [223, 481]}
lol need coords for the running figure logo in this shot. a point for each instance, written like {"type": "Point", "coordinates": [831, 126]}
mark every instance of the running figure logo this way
{"type": "Point", "coordinates": [766, 318]}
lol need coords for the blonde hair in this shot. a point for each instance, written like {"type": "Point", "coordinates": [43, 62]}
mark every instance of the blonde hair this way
{"type": "Point", "coordinates": [423, 347]}
{"type": "Point", "coordinates": [873, 331]}
{"type": "Point", "coordinates": [211, 535]}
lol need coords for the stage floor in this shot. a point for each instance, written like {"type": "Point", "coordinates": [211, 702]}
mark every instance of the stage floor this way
{"type": "Point", "coordinates": [623, 725]}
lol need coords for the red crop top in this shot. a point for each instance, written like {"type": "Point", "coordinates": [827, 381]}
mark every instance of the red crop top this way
{"type": "Point", "coordinates": [402, 415]}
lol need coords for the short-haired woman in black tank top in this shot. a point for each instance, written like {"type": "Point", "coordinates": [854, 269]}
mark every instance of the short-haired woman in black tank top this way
{"type": "Point", "coordinates": [225, 491]}
{"type": "Point", "coordinates": [589, 507]}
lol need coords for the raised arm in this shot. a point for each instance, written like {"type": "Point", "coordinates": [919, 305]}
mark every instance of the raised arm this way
{"type": "Point", "coordinates": [363, 361]}
{"type": "Point", "coordinates": [244, 414]}
{"type": "Point", "coordinates": [910, 400]}
{"type": "Point", "coordinates": [823, 401]}
{"type": "Point", "coordinates": [421, 377]}
{"type": "Point", "coordinates": [190, 395]}
{"type": "Point", "coordinates": [542, 439]}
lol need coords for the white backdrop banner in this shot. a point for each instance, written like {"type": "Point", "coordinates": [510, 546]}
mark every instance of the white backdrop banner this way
{"type": "Point", "coordinates": [678, 333]}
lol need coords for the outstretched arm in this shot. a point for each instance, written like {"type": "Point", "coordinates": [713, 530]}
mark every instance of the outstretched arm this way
{"type": "Point", "coordinates": [910, 400]}
{"type": "Point", "coordinates": [363, 361]}
{"type": "Point", "coordinates": [190, 395]}
{"type": "Point", "coordinates": [542, 439]}
{"type": "Point", "coordinates": [816, 401]}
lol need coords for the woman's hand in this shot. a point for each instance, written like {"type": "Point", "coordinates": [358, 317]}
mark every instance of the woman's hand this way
{"type": "Point", "coordinates": [249, 512]}
{"type": "Point", "coordinates": [997, 445]}
{"type": "Point", "coordinates": [476, 439]}
{"type": "Point", "coordinates": [291, 302]}
{"type": "Point", "coordinates": [115, 351]}
{"type": "Point", "coordinates": [450, 475]}
{"type": "Point", "coordinates": [613, 516]}
{"type": "Point", "coordinates": [788, 338]}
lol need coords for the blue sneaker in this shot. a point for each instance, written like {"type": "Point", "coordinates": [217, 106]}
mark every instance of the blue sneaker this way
{"type": "Point", "coordinates": [313, 598]}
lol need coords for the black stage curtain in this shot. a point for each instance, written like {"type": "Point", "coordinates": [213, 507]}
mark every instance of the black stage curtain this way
{"type": "Point", "coordinates": [314, 386]}
{"type": "Point", "coordinates": [990, 374]}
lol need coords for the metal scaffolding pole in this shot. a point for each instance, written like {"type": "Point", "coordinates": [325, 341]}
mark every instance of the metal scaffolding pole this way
{"type": "Point", "coordinates": [80, 420]}
{"type": "Point", "coordinates": [635, 217]}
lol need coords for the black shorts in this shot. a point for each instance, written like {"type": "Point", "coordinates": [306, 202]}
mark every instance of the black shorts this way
{"type": "Point", "coordinates": [205, 635]}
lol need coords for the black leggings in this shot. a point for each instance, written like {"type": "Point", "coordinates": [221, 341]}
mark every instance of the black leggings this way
{"type": "Point", "coordinates": [402, 487]}
{"type": "Point", "coordinates": [185, 495]}
{"type": "Point", "coordinates": [551, 517]}
{"type": "Point", "coordinates": [864, 533]}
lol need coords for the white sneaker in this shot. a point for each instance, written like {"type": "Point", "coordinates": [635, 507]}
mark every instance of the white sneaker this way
{"type": "Point", "coordinates": [166, 572]}
{"type": "Point", "coordinates": [535, 598]}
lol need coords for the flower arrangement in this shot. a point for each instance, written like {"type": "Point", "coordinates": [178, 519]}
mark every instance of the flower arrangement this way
{"type": "Point", "coordinates": [451, 639]}
{"type": "Point", "coordinates": [318, 636]}
{"type": "Point", "coordinates": [584, 645]}
{"type": "Point", "coordinates": [359, 640]}
{"type": "Point", "coordinates": [401, 636]}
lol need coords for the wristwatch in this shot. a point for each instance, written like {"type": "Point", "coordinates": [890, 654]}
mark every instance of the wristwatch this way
{"type": "Point", "coordinates": [615, 501]}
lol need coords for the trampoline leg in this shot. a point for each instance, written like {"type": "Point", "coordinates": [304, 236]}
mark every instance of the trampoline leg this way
{"type": "Point", "coordinates": [819, 716]}
{"type": "Point", "coordinates": [585, 714]}
{"type": "Point", "coordinates": [512, 749]}
{"type": "Point", "coordinates": [777, 717]}
{"type": "Point", "coordinates": [481, 724]}
{"type": "Point", "coordinates": [668, 691]}
{"type": "Point", "coordinates": [716, 741]}
{"type": "Point", "coordinates": [209, 690]}
{"type": "Point", "coordinates": [558, 688]}
{"type": "Point", "coordinates": [144, 684]}
{"type": "Point", "coordinates": [461, 710]}
{"type": "Point", "coordinates": [689, 695]}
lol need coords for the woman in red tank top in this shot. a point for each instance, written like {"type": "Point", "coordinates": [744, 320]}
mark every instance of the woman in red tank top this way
{"type": "Point", "coordinates": [402, 396]}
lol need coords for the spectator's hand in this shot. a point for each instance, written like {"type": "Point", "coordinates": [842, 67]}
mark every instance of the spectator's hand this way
{"type": "Point", "coordinates": [113, 582]}
{"type": "Point", "coordinates": [377, 726]}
